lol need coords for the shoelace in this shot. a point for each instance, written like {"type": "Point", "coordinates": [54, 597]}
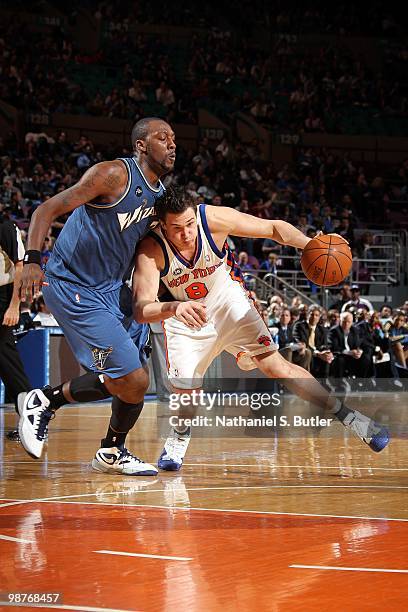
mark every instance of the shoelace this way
{"type": "Point", "coordinates": [45, 418]}
{"type": "Point", "coordinates": [176, 448]}
{"type": "Point", "coordinates": [127, 455]}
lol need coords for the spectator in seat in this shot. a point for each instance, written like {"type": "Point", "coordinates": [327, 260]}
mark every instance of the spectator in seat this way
{"type": "Point", "coordinates": [346, 346]}
{"type": "Point", "coordinates": [274, 312]}
{"type": "Point", "coordinates": [357, 301]}
{"type": "Point", "coordinates": [243, 261]}
{"type": "Point", "coordinates": [296, 352]}
{"type": "Point", "coordinates": [398, 335]}
{"type": "Point", "coordinates": [385, 314]}
{"type": "Point", "coordinates": [313, 335]}
{"type": "Point", "coordinates": [333, 318]}
{"type": "Point", "coordinates": [294, 315]}
{"type": "Point", "coordinates": [343, 297]}
{"type": "Point", "coordinates": [270, 264]}
{"type": "Point", "coordinates": [165, 95]}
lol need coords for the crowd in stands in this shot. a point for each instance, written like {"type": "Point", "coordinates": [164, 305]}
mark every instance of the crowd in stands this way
{"type": "Point", "coordinates": [319, 191]}
{"type": "Point", "coordinates": [286, 84]}
{"type": "Point", "coordinates": [349, 345]}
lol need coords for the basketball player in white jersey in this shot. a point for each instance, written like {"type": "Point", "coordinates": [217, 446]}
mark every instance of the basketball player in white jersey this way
{"type": "Point", "coordinates": [211, 311]}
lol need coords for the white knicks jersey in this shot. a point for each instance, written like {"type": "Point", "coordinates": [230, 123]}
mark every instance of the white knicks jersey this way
{"type": "Point", "coordinates": [233, 323]}
{"type": "Point", "coordinates": [211, 277]}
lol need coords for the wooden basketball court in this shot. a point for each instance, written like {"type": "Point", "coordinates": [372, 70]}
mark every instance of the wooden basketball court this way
{"type": "Point", "coordinates": [273, 523]}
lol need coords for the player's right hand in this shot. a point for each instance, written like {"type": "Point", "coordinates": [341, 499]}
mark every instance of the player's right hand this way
{"type": "Point", "coordinates": [191, 314]}
{"type": "Point", "coordinates": [31, 280]}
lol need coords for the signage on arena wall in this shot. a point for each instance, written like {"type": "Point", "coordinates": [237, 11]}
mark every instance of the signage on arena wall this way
{"type": "Point", "coordinates": [212, 133]}
{"type": "Point", "coordinates": [287, 139]}
{"type": "Point", "coordinates": [38, 118]}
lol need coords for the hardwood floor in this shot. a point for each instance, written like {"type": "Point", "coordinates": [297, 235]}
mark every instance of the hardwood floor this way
{"type": "Point", "coordinates": [283, 522]}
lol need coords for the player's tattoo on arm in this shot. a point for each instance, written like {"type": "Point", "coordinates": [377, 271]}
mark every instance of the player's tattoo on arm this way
{"type": "Point", "coordinates": [112, 181]}
{"type": "Point", "coordinates": [72, 192]}
{"type": "Point", "coordinates": [67, 197]}
{"type": "Point", "coordinates": [90, 182]}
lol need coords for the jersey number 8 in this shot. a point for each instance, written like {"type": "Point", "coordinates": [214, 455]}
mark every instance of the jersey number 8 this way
{"type": "Point", "coordinates": [195, 291]}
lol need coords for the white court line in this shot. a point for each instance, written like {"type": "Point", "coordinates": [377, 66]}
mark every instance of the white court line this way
{"type": "Point", "coordinates": [350, 569]}
{"type": "Point", "coordinates": [271, 465]}
{"type": "Point", "coordinates": [61, 607]}
{"type": "Point", "coordinates": [227, 465]}
{"type": "Point", "coordinates": [19, 540]}
{"type": "Point", "coordinates": [128, 554]}
{"type": "Point", "coordinates": [227, 510]}
{"type": "Point", "coordinates": [250, 487]}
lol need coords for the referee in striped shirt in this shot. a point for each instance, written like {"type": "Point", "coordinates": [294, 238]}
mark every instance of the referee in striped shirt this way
{"type": "Point", "coordinates": [11, 367]}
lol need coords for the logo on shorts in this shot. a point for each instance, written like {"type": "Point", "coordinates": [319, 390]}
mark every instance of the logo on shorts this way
{"type": "Point", "coordinates": [77, 298]}
{"type": "Point", "coordinates": [100, 356]}
{"type": "Point", "coordinates": [265, 340]}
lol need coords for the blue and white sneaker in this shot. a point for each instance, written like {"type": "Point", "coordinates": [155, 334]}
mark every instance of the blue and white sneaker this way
{"type": "Point", "coordinates": [35, 414]}
{"type": "Point", "coordinates": [118, 460]}
{"type": "Point", "coordinates": [174, 450]}
{"type": "Point", "coordinates": [373, 434]}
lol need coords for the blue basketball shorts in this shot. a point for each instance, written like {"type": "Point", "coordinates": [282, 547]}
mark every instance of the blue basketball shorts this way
{"type": "Point", "coordinates": [99, 327]}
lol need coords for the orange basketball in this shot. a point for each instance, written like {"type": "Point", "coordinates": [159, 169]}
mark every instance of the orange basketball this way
{"type": "Point", "coordinates": [326, 260]}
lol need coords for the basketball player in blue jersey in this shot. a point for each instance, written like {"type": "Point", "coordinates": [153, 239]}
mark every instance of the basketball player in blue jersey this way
{"type": "Point", "coordinates": [112, 209]}
{"type": "Point", "coordinates": [211, 312]}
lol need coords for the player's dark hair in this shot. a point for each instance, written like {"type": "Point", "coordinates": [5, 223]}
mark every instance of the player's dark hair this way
{"type": "Point", "coordinates": [175, 200]}
{"type": "Point", "coordinates": [141, 129]}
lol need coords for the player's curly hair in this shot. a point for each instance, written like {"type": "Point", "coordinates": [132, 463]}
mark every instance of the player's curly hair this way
{"type": "Point", "coordinates": [175, 200]}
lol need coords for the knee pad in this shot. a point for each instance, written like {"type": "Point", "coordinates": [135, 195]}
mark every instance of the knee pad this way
{"type": "Point", "coordinates": [88, 388]}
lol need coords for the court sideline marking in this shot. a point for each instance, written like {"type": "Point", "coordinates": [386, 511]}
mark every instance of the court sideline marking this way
{"type": "Point", "coordinates": [232, 488]}
{"type": "Point", "coordinates": [61, 607]}
{"type": "Point", "coordinates": [129, 554]}
{"type": "Point", "coordinates": [227, 465]}
{"type": "Point", "coordinates": [349, 569]}
{"type": "Point", "coordinates": [11, 539]}
{"type": "Point", "coordinates": [227, 510]}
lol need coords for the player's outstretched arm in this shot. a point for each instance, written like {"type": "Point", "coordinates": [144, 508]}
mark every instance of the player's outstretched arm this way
{"type": "Point", "coordinates": [146, 281]}
{"type": "Point", "coordinates": [223, 221]}
{"type": "Point", "coordinates": [106, 180]}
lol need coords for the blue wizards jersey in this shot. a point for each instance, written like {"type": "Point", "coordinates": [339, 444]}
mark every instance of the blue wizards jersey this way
{"type": "Point", "coordinates": [97, 244]}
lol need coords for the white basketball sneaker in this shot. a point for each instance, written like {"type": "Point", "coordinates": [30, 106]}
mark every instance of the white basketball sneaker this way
{"type": "Point", "coordinates": [373, 434]}
{"type": "Point", "coordinates": [35, 414]}
{"type": "Point", "coordinates": [175, 447]}
{"type": "Point", "coordinates": [118, 460]}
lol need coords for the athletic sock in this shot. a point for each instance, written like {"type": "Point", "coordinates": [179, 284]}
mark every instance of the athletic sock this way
{"type": "Point", "coordinates": [341, 412]}
{"type": "Point", "coordinates": [114, 438]}
{"type": "Point", "coordinates": [181, 431]}
{"type": "Point", "coordinates": [55, 396]}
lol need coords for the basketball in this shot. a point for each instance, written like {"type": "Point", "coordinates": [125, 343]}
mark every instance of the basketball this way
{"type": "Point", "coordinates": [326, 260]}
